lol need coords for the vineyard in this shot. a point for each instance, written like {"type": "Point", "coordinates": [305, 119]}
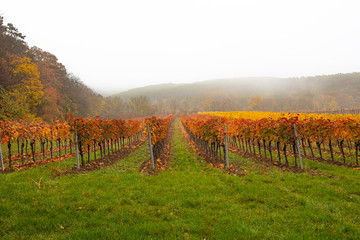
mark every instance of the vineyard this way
{"type": "Point", "coordinates": [158, 128]}
{"type": "Point", "coordinates": [144, 152]}
{"type": "Point", "coordinates": [323, 137]}
{"type": "Point", "coordinates": [198, 176]}
{"type": "Point", "coordinates": [331, 138]}
{"type": "Point", "coordinates": [39, 142]}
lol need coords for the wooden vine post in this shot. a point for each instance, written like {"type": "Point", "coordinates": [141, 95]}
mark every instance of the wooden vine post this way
{"type": "Point", "coordinates": [77, 150]}
{"type": "Point", "coordinates": [1, 158]}
{"type": "Point", "coordinates": [226, 149]}
{"type": "Point", "coordinates": [150, 145]}
{"type": "Point", "coordinates": [298, 146]}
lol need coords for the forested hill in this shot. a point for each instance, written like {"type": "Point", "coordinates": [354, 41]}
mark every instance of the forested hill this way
{"type": "Point", "coordinates": [259, 93]}
{"type": "Point", "coordinates": [34, 84]}
{"type": "Point", "coordinates": [250, 86]}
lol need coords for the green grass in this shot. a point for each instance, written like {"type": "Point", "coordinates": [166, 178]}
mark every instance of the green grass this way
{"type": "Point", "coordinates": [190, 200]}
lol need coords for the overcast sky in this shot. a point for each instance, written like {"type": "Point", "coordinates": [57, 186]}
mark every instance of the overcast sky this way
{"type": "Point", "coordinates": [118, 45]}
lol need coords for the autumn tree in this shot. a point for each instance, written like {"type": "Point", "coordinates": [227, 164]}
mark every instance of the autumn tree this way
{"type": "Point", "coordinates": [21, 90]}
{"type": "Point", "coordinates": [141, 106]}
{"type": "Point", "coordinates": [30, 87]}
{"type": "Point", "coordinates": [208, 104]}
{"type": "Point", "coordinates": [12, 41]}
{"type": "Point", "coordinates": [255, 102]}
{"type": "Point", "coordinates": [12, 106]}
{"type": "Point", "coordinates": [52, 74]}
{"type": "Point", "coordinates": [80, 99]}
{"type": "Point", "coordinates": [24, 94]}
{"type": "Point", "coordinates": [114, 108]}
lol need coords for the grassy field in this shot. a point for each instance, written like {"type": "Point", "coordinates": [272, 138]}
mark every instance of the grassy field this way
{"type": "Point", "coordinates": [189, 200]}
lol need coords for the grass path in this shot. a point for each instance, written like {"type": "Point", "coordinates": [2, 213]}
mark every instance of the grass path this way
{"type": "Point", "coordinates": [189, 200]}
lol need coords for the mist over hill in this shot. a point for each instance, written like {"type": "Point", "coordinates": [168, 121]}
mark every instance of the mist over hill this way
{"type": "Point", "coordinates": [256, 93]}
{"type": "Point", "coordinates": [276, 87]}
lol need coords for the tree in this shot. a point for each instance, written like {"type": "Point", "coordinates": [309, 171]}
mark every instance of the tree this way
{"type": "Point", "coordinates": [52, 75]}
{"type": "Point", "coordinates": [141, 106]}
{"type": "Point", "coordinates": [14, 105]}
{"type": "Point", "coordinates": [114, 108]}
{"type": "Point", "coordinates": [12, 41]}
{"type": "Point", "coordinates": [208, 104]}
{"type": "Point", "coordinates": [29, 87]}
{"type": "Point", "coordinates": [330, 103]}
{"type": "Point", "coordinates": [255, 102]}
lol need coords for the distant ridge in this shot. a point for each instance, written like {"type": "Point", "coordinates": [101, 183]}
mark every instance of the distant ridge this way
{"type": "Point", "coordinates": [333, 85]}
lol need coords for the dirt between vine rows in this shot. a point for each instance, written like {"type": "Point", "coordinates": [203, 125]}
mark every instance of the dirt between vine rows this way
{"type": "Point", "coordinates": [267, 163]}
{"type": "Point", "coordinates": [234, 168]}
{"type": "Point", "coordinates": [105, 161]}
{"type": "Point", "coordinates": [163, 162]}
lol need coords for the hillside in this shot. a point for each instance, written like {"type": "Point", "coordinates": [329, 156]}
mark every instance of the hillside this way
{"type": "Point", "coordinates": [240, 86]}
{"type": "Point", "coordinates": [349, 83]}
{"type": "Point", "coordinates": [276, 94]}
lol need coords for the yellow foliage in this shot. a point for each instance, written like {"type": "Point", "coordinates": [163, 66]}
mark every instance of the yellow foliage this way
{"type": "Point", "coordinates": [30, 88]}
{"type": "Point", "coordinates": [255, 102]}
{"type": "Point", "coordinates": [252, 115]}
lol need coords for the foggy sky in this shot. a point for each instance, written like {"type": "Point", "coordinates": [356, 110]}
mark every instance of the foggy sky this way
{"type": "Point", "coordinates": [117, 45]}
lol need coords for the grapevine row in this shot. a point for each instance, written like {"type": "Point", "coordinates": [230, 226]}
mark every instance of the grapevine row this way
{"type": "Point", "coordinates": [324, 132]}
{"type": "Point", "coordinates": [265, 135]}
{"type": "Point", "coordinates": [207, 133]}
{"type": "Point", "coordinates": [91, 133]}
{"type": "Point", "coordinates": [159, 129]}
{"type": "Point", "coordinates": [110, 135]}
